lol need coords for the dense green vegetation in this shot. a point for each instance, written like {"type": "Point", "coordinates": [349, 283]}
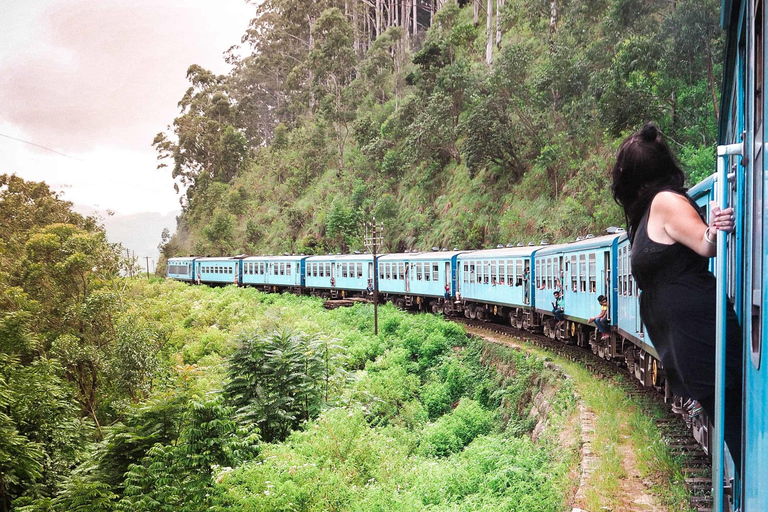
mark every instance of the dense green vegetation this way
{"type": "Point", "coordinates": [136, 395]}
{"type": "Point", "coordinates": [470, 128]}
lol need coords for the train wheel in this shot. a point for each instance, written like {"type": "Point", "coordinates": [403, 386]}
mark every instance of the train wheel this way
{"type": "Point", "coordinates": [400, 303]}
{"type": "Point", "coordinates": [472, 313]}
{"type": "Point", "coordinates": [447, 309]}
{"type": "Point", "coordinates": [467, 311]}
{"type": "Point", "coordinates": [435, 307]}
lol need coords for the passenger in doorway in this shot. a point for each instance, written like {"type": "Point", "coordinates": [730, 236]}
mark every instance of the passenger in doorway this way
{"type": "Point", "coordinates": [558, 286]}
{"type": "Point", "coordinates": [526, 279]}
{"type": "Point", "coordinates": [671, 246]}
{"type": "Point", "coordinates": [601, 320]}
{"type": "Point", "coordinates": [369, 288]}
{"type": "Point", "coordinates": [447, 294]}
{"type": "Point", "coordinates": [558, 309]}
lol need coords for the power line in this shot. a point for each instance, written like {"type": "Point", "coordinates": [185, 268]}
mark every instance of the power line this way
{"type": "Point", "coordinates": [39, 146]}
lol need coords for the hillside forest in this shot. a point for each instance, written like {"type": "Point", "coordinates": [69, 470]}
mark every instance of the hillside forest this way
{"type": "Point", "coordinates": [455, 124]}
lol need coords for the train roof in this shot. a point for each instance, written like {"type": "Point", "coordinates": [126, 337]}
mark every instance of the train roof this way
{"type": "Point", "coordinates": [275, 258]}
{"type": "Point", "coordinates": [220, 258]}
{"type": "Point", "coordinates": [581, 245]}
{"type": "Point", "coordinates": [505, 252]}
{"type": "Point", "coordinates": [428, 255]}
{"type": "Point", "coordinates": [181, 258]}
{"type": "Point", "coordinates": [341, 257]}
{"type": "Point", "coordinates": [702, 188]}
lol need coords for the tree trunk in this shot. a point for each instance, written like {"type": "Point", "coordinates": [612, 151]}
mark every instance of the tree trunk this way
{"type": "Point", "coordinates": [356, 28]}
{"type": "Point", "coordinates": [552, 20]}
{"type": "Point", "coordinates": [404, 19]}
{"type": "Point", "coordinates": [378, 17]}
{"type": "Point", "coordinates": [415, 18]}
{"type": "Point", "coordinates": [310, 22]}
{"type": "Point", "coordinates": [489, 33]}
{"type": "Point", "coordinates": [476, 15]}
{"type": "Point", "coordinates": [499, 5]}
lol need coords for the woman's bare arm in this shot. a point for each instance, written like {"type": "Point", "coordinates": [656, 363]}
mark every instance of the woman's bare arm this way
{"type": "Point", "coordinates": [680, 222]}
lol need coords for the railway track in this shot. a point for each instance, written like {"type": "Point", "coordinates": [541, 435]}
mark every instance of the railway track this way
{"type": "Point", "coordinates": [677, 434]}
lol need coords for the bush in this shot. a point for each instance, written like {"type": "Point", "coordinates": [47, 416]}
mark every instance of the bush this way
{"type": "Point", "coordinates": [454, 431]}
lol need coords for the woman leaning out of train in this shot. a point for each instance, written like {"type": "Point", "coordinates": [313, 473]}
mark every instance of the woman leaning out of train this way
{"type": "Point", "coordinates": [671, 245]}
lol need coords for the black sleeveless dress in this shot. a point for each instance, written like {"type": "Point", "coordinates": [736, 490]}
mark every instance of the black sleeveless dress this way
{"type": "Point", "coordinates": [678, 308]}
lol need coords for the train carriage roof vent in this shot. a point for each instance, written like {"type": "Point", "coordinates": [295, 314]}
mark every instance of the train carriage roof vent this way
{"type": "Point", "coordinates": [544, 242]}
{"type": "Point", "coordinates": [510, 245]}
{"type": "Point", "coordinates": [455, 248]}
{"type": "Point", "coordinates": [613, 230]}
{"type": "Point", "coordinates": [435, 249]}
{"type": "Point", "coordinates": [500, 246]}
{"type": "Point", "coordinates": [590, 235]}
{"type": "Point", "coordinates": [520, 244]}
{"type": "Point", "coordinates": [531, 244]}
{"type": "Point", "coordinates": [579, 238]}
{"type": "Point", "coordinates": [444, 249]}
{"type": "Point", "coordinates": [357, 252]}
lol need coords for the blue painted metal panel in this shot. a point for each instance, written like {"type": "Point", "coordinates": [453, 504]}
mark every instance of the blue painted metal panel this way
{"type": "Point", "coordinates": [497, 276]}
{"type": "Point", "coordinates": [398, 281]}
{"type": "Point", "coordinates": [281, 271]}
{"type": "Point", "coordinates": [428, 273]}
{"type": "Point", "coordinates": [182, 269]}
{"type": "Point", "coordinates": [342, 272]}
{"type": "Point", "coordinates": [583, 266]}
{"type": "Point", "coordinates": [218, 270]}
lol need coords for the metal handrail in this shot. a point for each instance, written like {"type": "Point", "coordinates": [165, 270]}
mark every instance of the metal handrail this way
{"type": "Point", "coordinates": [721, 197]}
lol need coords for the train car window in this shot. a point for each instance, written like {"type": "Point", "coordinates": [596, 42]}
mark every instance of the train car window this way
{"type": "Point", "coordinates": [574, 274]}
{"type": "Point", "coordinates": [402, 271]}
{"type": "Point", "coordinates": [494, 272]}
{"type": "Point", "coordinates": [426, 270]}
{"type": "Point", "coordinates": [758, 175]}
{"type": "Point", "coordinates": [435, 272]}
{"type": "Point", "coordinates": [466, 272]}
{"type": "Point", "coordinates": [360, 270]}
{"type": "Point", "coordinates": [288, 269]}
{"type": "Point", "coordinates": [582, 272]}
{"type": "Point", "coordinates": [550, 272]}
{"type": "Point", "coordinates": [538, 273]}
{"type": "Point", "coordinates": [478, 272]}
{"type": "Point", "coordinates": [418, 271]}
{"type": "Point", "coordinates": [592, 273]}
{"type": "Point", "coordinates": [381, 270]}
{"type": "Point", "coordinates": [519, 273]}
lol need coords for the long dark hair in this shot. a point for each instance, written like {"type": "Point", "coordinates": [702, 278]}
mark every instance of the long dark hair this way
{"type": "Point", "coordinates": [644, 166]}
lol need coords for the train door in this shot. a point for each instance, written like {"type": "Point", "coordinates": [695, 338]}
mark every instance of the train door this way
{"type": "Point", "coordinates": [408, 277]}
{"type": "Point", "coordinates": [333, 273]}
{"type": "Point", "coordinates": [370, 270]}
{"type": "Point", "coordinates": [448, 277]}
{"type": "Point", "coordinates": [527, 281]}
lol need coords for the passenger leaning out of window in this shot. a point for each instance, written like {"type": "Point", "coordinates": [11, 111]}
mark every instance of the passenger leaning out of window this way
{"type": "Point", "coordinates": [671, 246]}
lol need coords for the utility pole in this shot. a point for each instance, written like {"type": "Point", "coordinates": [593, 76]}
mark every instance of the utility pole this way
{"type": "Point", "coordinates": [147, 258]}
{"type": "Point", "coordinates": [373, 242]}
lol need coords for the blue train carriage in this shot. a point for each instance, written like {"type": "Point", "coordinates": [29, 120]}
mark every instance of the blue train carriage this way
{"type": "Point", "coordinates": [640, 355]}
{"type": "Point", "coordinates": [217, 271]}
{"type": "Point", "coordinates": [498, 282]}
{"type": "Point", "coordinates": [339, 276]}
{"type": "Point", "coordinates": [585, 270]}
{"type": "Point", "coordinates": [181, 269]}
{"type": "Point", "coordinates": [741, 158]}
{"type": "Point", "coordinates": [420, 279]}
{"type": "Point", "coordinates": [394, 278]}
{"type": "Point", "coordinates": [274, 273]}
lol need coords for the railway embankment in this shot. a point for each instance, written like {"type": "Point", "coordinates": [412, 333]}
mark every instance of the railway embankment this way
{"type": "Point", "coordinates": [626, 455]}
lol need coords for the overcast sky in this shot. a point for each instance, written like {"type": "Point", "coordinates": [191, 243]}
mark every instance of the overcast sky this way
{"type": "Point", "coordinates": [95, 80]}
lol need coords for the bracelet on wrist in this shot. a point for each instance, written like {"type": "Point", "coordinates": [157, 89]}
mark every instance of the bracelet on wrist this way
{"type": "Point", "coordinates": [707, 239]}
